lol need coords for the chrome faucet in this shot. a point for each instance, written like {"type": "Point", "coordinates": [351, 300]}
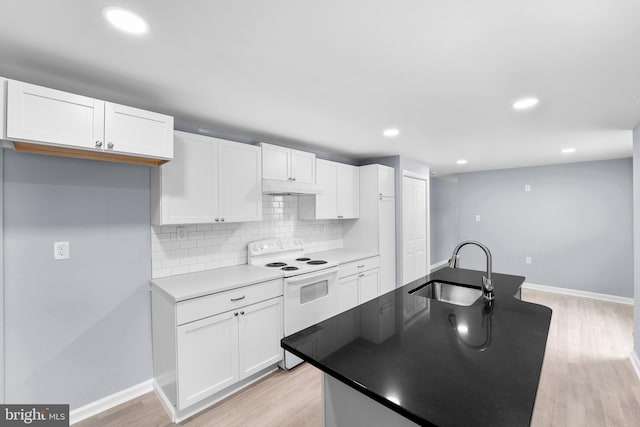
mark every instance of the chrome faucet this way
{"type": "Point", "coordinates": [487, 286]}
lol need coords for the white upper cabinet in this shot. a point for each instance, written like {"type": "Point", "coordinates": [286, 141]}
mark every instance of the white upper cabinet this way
{"type": "Point", "coordinates": [240, 182]}
{"type": "Point", "coordinates": [303, 167]}
{"type": "Point", "coordinates": [134, 131]}
{"type": "Point", "coordinates": [209, 180]}
{"type": "Point", "coordinates": [40, 114]}
{"type": "Point", "coordinates": [348, 191]}
{"type": "Point", "coordinates": [184, 191]}
{"type": "Point", "coordinates": [386, 181]}
{"type": "Point", "coordinates": [58, 121]}
{"type": "Point", "coordinates": [339, 186]}
{"type": "Point", "coordinates": [286, 164]}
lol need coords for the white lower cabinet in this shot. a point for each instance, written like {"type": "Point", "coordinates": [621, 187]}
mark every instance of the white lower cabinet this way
{"type": "Point", "coordinates": [358, 282]}
{"type": "Point", "coordinates": [218, 351]}
{"type": "Point", "coordinates": [207, 357]}
{"type": "Point", "coordinates": [368, 285]}
{"type": "Point", "coordinates": [207, 347]}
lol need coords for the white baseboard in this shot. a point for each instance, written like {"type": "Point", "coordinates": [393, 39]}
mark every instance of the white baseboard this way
{"type": "Point", "coordinates": [584, 294]}
{"type": "Point", "coordinates": [439, 264]}
{"type": "Point", "coordinates": [635, 362]}
{"type": "Point", "coordinates": [109, 402]}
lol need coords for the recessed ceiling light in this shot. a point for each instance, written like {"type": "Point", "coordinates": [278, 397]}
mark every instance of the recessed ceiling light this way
{"type": "Point", "coordinates": [525, 103]}
{"type": "Point", "coordinates": [462, 162]}
{"type": "Point", "coordinates": [125, 20]}
{"type": "Point", "coordinates": [391, 132]}
{"type": "Point", "coordinates": [568, 150]}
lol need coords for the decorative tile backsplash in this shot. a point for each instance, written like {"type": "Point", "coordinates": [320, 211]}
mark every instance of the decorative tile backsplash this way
{"type": "Point", "coordinates": [209, 246]}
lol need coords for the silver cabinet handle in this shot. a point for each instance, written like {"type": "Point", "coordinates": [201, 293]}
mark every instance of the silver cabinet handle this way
{"type": "Point", "coordinates": [110, 145]}
{"type": "Point", "coordinates": [380, 194]}
{"type": "Point", "coordinates": [340, 216]}
{"type": "Point", "coordinates": [242, 312]}
{"type": "Point", "coordinates": [235, 314]}
{"type": "Point", "coordinates": [360, 266]}
{"type": "Point", "coordinates": [361, 275]}
{"type": "Point", "coordinates": [98, 143]}
{"type": "Point", "coordinates": [237, 299]}
{"type": "Point", "coordinates": [289, 179]}
{"type": "Point", "coordinates": [217, 219]}
{"type": "Point", "coordinates": [293, 179]}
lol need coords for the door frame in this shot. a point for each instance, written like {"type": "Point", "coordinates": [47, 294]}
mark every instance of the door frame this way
{"type": "Point", "coordinates": [400, 245]}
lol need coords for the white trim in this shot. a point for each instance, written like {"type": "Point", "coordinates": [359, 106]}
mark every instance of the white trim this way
{"type": "Point", "coordinates": [635, 362]}
{"type": "Point", "coordinates": [414, 175]}
{"type": "Point", "coordinates": [574, 292]}
{"type": "Point", "coordinates": [439, 264]}
{"type": "Point", "coordinates": [164, 401]}
{"type": "Point", "coordinates": [110, 401]}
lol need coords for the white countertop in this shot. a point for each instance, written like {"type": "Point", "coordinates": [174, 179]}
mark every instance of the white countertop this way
{"type": "Point", "coordinates": [193, 285]}
{"type": "Point", "coordinates": [343, 255]}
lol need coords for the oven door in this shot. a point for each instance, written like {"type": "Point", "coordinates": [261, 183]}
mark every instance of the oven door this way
{"type": "Point", "coordinates": [309, 298]}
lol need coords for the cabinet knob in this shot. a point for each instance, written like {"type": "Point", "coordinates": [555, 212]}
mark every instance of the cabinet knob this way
{"type": "Point", "coordinates": [289, 179]}
{"type": "Point", "coordinates": [235, 314]}
{"type": "Point", "coordinates": [361, 275]}
{"type": "Point", "coordinates": [380, 194]}
{"type": "Point", "coordinates": [110, 145]}
{"type": "Point", "coordinates": [339, 216]}
{"type": "Point", "coordinates": [360, 266]}
{"type": "Point", "coordinates": [98, 143]}
{"type": "Point", "coordinates": [221, 219]}
{"type": "Point", "coordinates": [293, 179]}
{"type": "Point", "coordinates": [217, 219]}
{"type": "Point", "coordinates": [242, 312]}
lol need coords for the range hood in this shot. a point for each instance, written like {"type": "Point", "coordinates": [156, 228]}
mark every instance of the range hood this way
{"type": "Point", "coordinates": [273, 186]}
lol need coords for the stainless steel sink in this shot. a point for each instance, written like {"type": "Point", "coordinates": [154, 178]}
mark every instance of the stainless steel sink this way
{"type": "Point", "coordinates": [449, 293]}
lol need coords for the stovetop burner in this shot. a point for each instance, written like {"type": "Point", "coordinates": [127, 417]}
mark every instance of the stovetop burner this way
{"type": "Point", "coordinates": [317, 262]}
{"type": "Point", "coordinates": [289, 268]}
{"type": "Point", "coordinates": [303, 259]}
{"type": "Point", "coordinates": [276, 264]}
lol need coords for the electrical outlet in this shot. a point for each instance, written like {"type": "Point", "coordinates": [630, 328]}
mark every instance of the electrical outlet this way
{"type": "Point", "coordinates": [527, 260]}
{"type": "Point", "coordinates": [527, 188]}
{"type": "Point", "coordinates": [477, 218]}
{"type": "Point", "coordinates": [182, 233]}
{"type": "Point", "coordinates": [60, 250]}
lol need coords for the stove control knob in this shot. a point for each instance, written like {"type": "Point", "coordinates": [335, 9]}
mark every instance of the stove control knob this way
{"type": "Point", "coordinates": [254, 247]}
{"type": "Point", "coordinates": [280, 243]}
{"type": "Point", "coordinates": [261, 246]}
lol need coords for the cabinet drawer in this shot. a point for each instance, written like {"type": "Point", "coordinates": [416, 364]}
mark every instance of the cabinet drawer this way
{"type": "Point", "coordinates": [199, 308]}
{"type": "Point", "coordinates": [359, 266]}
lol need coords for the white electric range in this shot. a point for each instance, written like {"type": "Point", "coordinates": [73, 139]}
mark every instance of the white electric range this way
{"type": "Point", "coordinates": [310, 285]}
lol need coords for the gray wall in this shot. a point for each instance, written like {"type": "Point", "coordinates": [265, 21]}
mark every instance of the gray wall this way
{"type": "Point", "coordinates": [444, 217]}
{"type": "Point", "coordinates": [636, 236]}
{"type": "Point", "coordinates": [575, 224]}
{"type": "Point", "coordinates": [78, 329]}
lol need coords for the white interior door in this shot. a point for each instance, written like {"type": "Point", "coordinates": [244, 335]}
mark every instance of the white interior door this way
{"type": "Point", "coordinates": [414, 228]}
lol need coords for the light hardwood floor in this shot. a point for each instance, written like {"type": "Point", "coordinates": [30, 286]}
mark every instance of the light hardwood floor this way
{"type": "Point", "coordinates": [587, 380]}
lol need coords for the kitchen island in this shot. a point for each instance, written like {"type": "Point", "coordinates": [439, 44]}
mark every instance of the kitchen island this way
{"type": "Point", "coordinates": [404, 359]}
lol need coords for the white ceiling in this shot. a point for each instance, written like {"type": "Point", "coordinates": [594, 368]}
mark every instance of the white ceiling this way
{"type": "Point", "coordinates": [331, 75]}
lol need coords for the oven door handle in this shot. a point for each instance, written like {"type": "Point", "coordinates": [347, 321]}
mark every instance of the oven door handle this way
{"type": "Point", "coordinates": [310, 277]}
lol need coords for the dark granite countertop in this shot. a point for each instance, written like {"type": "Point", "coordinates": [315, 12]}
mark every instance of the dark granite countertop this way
{"type": "Point", "coordinates": [437, 363]}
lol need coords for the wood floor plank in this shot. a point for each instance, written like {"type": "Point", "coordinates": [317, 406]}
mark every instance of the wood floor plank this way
{"type": "Point", "coordinates": [587, 380]}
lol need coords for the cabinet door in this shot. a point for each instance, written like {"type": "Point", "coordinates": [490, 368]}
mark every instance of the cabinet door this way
{"type": "Point", "coordinates": [189, 183]}
{"type": "Point", "coordinates": [347, 293]}
{"type": "Point", "coordinates": [207, 357]}
{"type": "Point", "coordinates": [387, 243]}
{"type": "Point", "coordinates": [240, 185]}
{"type": "Point", "coordinates": [348, 189]}
{"type": "Point", "coordinates": [368, 285]}
{"type": "Point", "coordinates": [326, 202]}
{"type": "Point", "coordinates": [303, 166]}
{"type": "Point", "coordinates": [260, 333]}
{"type": "Point", "coordinates": [50, 116]}
{"type": "Point", "coordinates": [386, 181]}
{"type": "Point", "coordinates": [133, 131]}
{"type": "Point", "coordinates": [276, 162]}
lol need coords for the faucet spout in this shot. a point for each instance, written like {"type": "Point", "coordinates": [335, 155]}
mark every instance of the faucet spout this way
{"type": "Point", "coordinates": [487, 285]}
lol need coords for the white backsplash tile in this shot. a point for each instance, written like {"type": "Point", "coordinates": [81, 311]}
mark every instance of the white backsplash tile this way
{"type": "Point", "coordinates": [210, 246]}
